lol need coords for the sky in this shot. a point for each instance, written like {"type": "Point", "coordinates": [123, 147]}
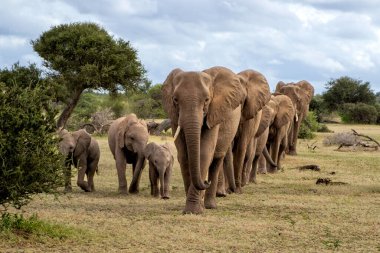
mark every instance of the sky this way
{"type": "Point", "coordinates": [288, 40]}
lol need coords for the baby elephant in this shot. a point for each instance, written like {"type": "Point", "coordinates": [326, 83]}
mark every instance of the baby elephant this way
{"type": "Point", "coordinates": [160, 168]}
{"type": "Point", "coordinates": [83, 152]}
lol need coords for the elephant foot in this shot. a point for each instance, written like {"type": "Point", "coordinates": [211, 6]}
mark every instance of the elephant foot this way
{"type": "Point", "coordinates": [210, 203]}
{"type": "Point", "coordinates": [68, 189]}
{"type": "Point", "coordinates": [253, 180]}
{"type": "Point", "coordinates": [165, 197]}
{"type": "Point", "coordinates": [133, 190]}
{"type": "Point", "coordinates": [221, 194]}
{"type": "Point", "coordinates": [239, 190]}
{"type": "Point", "coordinates": [292, 152]}
{"type": "Point", "coordinates": [262, 170]}
{"type": "Point", "coordinates": [274, 170]}
{"type": "Point", "coordinates": [193, 209]}
{"type": "Point", "coordinates": [123, 190]}
{"type": "Point", "coordinates": [230, 190]}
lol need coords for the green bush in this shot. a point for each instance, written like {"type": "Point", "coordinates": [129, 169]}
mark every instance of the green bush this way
{"type": "Point", "coordinates": [29, 159]}
{"type": "Point", "coordinates": [358, 113]}
{"type": "Point", "coordinates": [308, 126]}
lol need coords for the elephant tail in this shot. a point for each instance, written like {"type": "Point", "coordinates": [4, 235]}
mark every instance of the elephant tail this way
{"type": "Point", "coordinates": [97, 170]}
{"type": "Point", "coordinates": [268, 158]}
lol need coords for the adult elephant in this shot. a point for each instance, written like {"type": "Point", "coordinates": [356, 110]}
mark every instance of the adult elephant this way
{"type": "Point", "coordinates": [83, 152]}
{"type": "Point", "coordinates": [275, 125]}
{"type": "Point", "coordinates": [301, 94]}
{"type": "Point", "coordinates": [127, 138]}
{"type": "Point", "coordinates": [258, 95]}
{"type": "Point", "coordinates": [205, 110]}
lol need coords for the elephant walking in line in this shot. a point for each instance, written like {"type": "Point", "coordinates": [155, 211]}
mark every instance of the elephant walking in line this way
{"type": "Point", "coordinates": [161, 162]}
{"type": "Point", "coordinates": [258, 95]}
{"type": "Point", "coordinates": [205, 109]}
{"type": "Point", "coordinates": [273, 132]}
{"type": "Point", "coordinates": [127, 138]}
{"type": "Point", "coordinates": [83, 152]}
{"type": "Point", "coordinates": [301, 94]}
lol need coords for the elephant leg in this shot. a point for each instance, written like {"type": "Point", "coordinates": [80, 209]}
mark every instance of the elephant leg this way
{"type": "Point", "coordinates": [67, 173]}
{"type": "Point", "coordinates": [82, 168]}
{"type": "Point", "coordinates": [153, 178]}
{"type": "Point", "coordinates": [293, 141]}
{"type": "Point", "coordinates": [253, 173]}
{"type": "Point", "coordinates": [228, 169]}
{"type": "Point", "coordinates": [137, 166]}
{"type": "Point", "coordinates": [221, 189]}
{"type": "Point", "coordinates": [121, 164]}
{"type": "Point", "coordinates": [90, 175]}
{"type": "Point", "coordinates": [251, 150]}
{"type": "Point", "coordinates": [167, 177]}
{"type": "Point", "coordinates": [210, 196]}
{"type": "Point", "coordinates": [262, 165]}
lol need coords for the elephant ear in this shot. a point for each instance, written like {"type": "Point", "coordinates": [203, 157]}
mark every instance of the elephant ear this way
{"type": "Point", "coordinates": [279, 85]}
{"type": "Point", "coordinates": [149, 150]}
{"type": "Point", "coordinates": [123, 126]}
{"type": "Point", "coordinates": [285, 112]}
{"type": "Point", "coordinates": [82, 140]}
{"type": "Point", "coordinates": [307, 88]}
{"type": "Point", "coordinates": [266, 117]}
{"type": "Point", "coordinates": [258, 93]}
{"type": "Point", "coordinates": [167, 94]}
{"type": "Point", "coordinates": [227, 94]}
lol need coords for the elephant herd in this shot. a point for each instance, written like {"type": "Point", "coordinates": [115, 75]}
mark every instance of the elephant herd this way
{"type": "Point", "coordinates": [227, 127]}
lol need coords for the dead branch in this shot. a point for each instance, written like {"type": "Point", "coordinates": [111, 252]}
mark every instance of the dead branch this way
{"type": "Point", "coordinates": [365, 136]}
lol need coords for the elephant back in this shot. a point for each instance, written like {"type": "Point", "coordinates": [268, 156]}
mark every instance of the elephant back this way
{"type": "Point", "coordinates": [258, 93]}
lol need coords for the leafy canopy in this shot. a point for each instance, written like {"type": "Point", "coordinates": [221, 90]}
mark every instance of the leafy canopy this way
{"type": "Point", "coordinates": [84, 56]}
{"type": "Point", "coordinates": [29, 158]}
{"type": "Point", "coordinates": [347, 90]}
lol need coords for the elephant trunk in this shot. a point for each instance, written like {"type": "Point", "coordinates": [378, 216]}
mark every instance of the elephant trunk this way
{"type": "Point", "coordinates": [268, 157]}
{"type": "Point", "coordinates": [192, 133]}
{"type": "Point", "coordinates": [134, 187]}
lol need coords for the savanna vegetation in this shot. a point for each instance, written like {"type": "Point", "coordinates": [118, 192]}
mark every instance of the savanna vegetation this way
{"type": "Point", "coordinates": [284, 212]}
{"type": "Point", "coordinates": [92, 78]}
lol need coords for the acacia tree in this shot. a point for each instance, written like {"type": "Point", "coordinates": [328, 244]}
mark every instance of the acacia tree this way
{"type": "Point", "coordinates": [84, 56]}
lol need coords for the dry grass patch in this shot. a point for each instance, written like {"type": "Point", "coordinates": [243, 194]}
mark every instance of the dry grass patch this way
{"type": "Point", "coordinates": [284, 212]}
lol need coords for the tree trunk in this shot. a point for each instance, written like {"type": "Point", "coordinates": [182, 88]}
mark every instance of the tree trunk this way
{"type": "Point", "coordinates": [66, 113]}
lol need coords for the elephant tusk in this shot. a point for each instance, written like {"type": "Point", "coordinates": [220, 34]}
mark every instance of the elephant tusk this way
{"type": "Point", "coordinates": [177, 132]}
{"type": "Point", "coordinates": [296, 117]}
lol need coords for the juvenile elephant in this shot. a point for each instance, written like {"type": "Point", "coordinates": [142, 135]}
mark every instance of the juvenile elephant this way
{"type": "Point", "coordinates": [127, 138]}
{"type": "Point", "coordinates": [83, 152]}
{"type": "Point", "coordinates": [301, 94]}
{"type": "Point", "coordinates": [161, 162]}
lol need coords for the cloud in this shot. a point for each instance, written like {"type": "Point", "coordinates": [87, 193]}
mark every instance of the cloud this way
{"type": "Point", "coordinates": [285, 40]}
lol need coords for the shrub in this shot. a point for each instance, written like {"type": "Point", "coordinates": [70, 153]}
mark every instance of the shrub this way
{"type": "Point", "coordinates": [341, 138]}
{"type": "Point", "coordinates": [308, 126]}
{"type": "Point", "coordinates": [30, 161]}
{"type": "Point", "coordinates": [359, 113]}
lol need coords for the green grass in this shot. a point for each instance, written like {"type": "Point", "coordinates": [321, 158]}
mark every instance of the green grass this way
{"type": "Point", "coordinates": [284, 212]}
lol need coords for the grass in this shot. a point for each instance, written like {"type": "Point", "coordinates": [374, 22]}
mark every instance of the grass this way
{"type": "Point", "coordinates": [284, 212]}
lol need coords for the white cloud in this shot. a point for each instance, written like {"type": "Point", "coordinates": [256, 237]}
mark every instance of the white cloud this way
{"type": "Point", "coordinates": [11, 41]}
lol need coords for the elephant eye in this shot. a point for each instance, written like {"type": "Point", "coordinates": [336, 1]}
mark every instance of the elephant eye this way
{"type": "Point", "coordinates": [175, 100]}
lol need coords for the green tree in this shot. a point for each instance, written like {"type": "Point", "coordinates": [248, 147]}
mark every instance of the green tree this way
{"type": "Point", "coordinates": [29, 159]}
{"type": "Point", "coordinates": [148, 104]}
{"type": "Point", "coordinates": [347, 90]}
{"type": "Point", "coordinates": [84, 56]}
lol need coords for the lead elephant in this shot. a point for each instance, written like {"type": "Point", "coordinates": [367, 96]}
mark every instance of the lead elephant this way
{"type": "Point", "coordinates": [83, 152]}
{"type": "Point", "coordinates": [127, 138]}
{"type": "Point", "coordinates": [301, 94]}
{"type": "Point", "coordinates": [205, 109]}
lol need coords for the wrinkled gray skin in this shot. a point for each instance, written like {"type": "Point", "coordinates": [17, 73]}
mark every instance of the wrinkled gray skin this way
{"type": "Point", "coordinates": [127, 138]}
{"type": "Point", "coordinates": [83, 152]}
{"type": "Point", "coordinates": [161, 162]}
